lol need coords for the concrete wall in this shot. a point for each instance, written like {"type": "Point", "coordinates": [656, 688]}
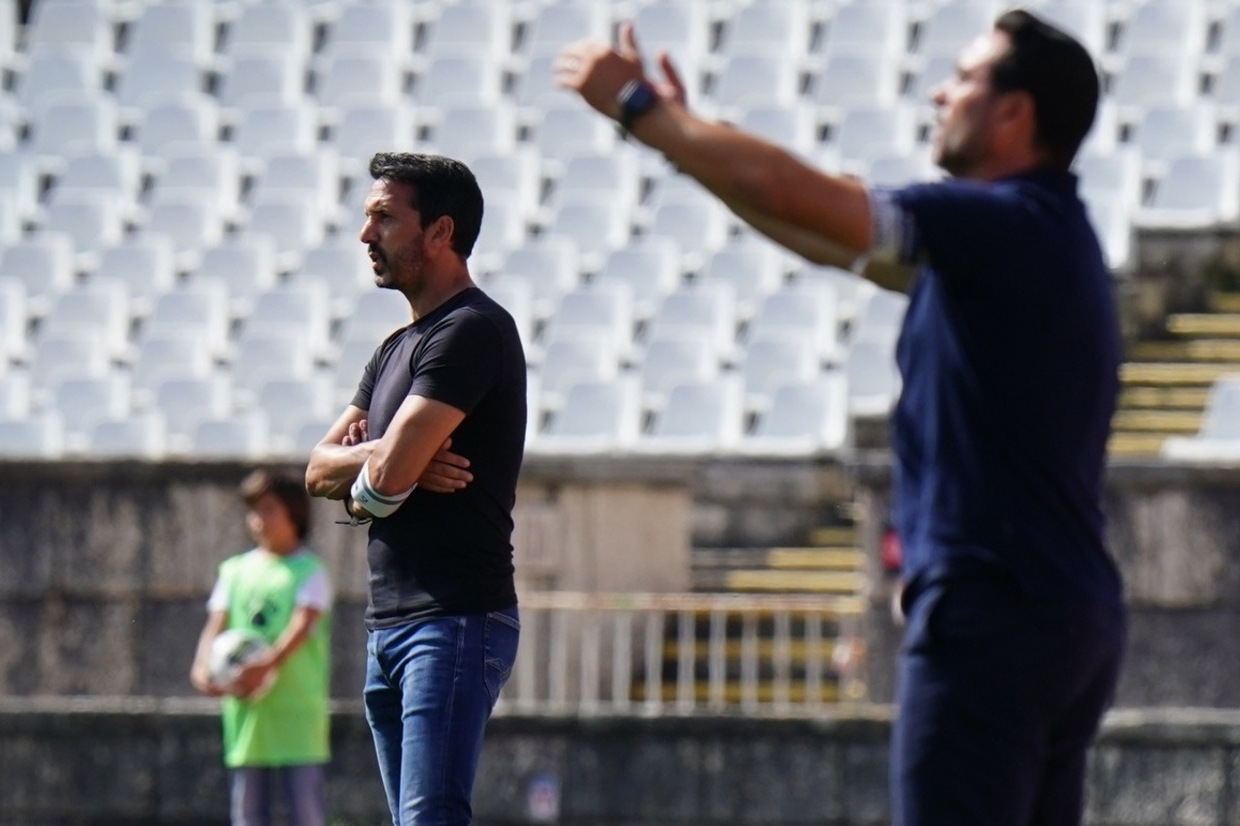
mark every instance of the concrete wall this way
{"type": "Point", "coordinates": [78, 762]}
{"type": "Point", "coordinates": [105, 568]}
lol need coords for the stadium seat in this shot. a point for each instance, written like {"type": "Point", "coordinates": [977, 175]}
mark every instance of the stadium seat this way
{"type": "Point", "coordinates": [267, 79]}
{"type": "Point", "coordinates": [298, 308]}
{"type": "Point", "coordinates": [44, 264]}
{"type": "Point", "coordinates": [40, 436]}
{"type": "Point", "coordinates": [15, 395]}
{"type": "Point", "coordinates": [471, 129]}
{"type": "Point", "coordinates": [150, 78]}
{"type": "Point", "coordinates": [84, 402]}
{"type": "Point", "coordinates": [294, 223]}
{"type": "Point", "coordinates": [265, 130]}
{"type": "Point", "coordinates": [804, 419]}
{"type": "Point", "coordinates": [361, 131]}
{"type": "Point", "coordinates": [596, 226]}
{"type": "Point", "coordinates": [863, 27]}
{"type": "Point", "coordinates": [1166, 132]}
{"type": "Point", "coordinates": [186, 402]}
{"type": "Point", "coordinates": [128, 437]}
{"type": "Point", "coordinates": [772, 360]}
{"type": "Point", "coordinates": [699, 418]}
{"type": "Point", "coordinates": [549, 265]}
{"type": "Point", "coordinates": [245, 264]}
{"type": "Point", "coordinates": [82, 28]}
{"type": "Point", "coordinates": [553, 25]}
{"type": "Point", "coordinates": [867, 132]}
{"type": "Point", "coordinates": [92, 221]}
{"type": "Point", "coordinates": [270, 29]}
{"type": "Point", "coordinates": [614, 173]}
{"type": "Point", "coordinates": [311, 176]}
{"type": "Point", "coordinates": [469, 28]}
{"type": "Point", "coordinates": [1113, 221]}
{"type": "Point", "coordinates": [69, 126]}
{"type": "Point", "coordinates": [115, 174]}
{"type": "Point", "coordinates": [375, 315]}
{"type": "Point", "coordinates": [881, 316]}
{"type": "Point", "coordinates": [650, 268]}
{"type": "Point", "coordinates": [209, 172]}
{"type": "Point", "coordinates": [1176, 27]}
{"type": "Point", "coordinates": [59, 72]}
{"type": "Point", "coordinates": [164, 355]}
{"type": "Point", "coordinates": [809, 311]}
{"type": "Point", "coordinates": [347, 80]}
{"type": "Point", "coordinates": [706, 308]}
{"type": "Point", "coordinates": [1198, 191]}
{"type": "Point", "coordinates": [1145, 79]}
{"type": "Point", "coordinates": [793, 127]}
{"type": "Point", "coordinates": [1116, 174]}
{"type": "Point", "coordinates": [751, 268]}
{"type": "Point", "coordinates": [950, 26]}
{"type": "Point", "coordinates": [182, 29]}
{"type": "Point", "coordinates": [680, 29]}
{"type": "Point", "coordinates": [339, 263]}
{"type": "Point", "coordinates": [384, 30]}
{"type": "Point", "coordinates": [100, 307]}
{"type": "Point", "coordinates": [515, 295]}
{"type": "Point", "coordinates": [197, 308]}
{"type": "Point", "coordinates": [192, 219]}
{"type": "Point", "coordinates": [572, 129]}
{"type": "Point", "coordinates": [459, 80]}
{"type": "Point", "coordinates": [588, 356]}
{"type": "Point", "coordinates": [289, 404]}
{"type": "Point", "coordinates": [190, 124]}
{"type": "Point", "coordinates": [14, 320]}
{"type": "Point", "coordinates": [594, 308]}
{"type": "Point", "coordinates": [266, 355]}
{"type": "Point", "coordinates": [596, 417]}
{"type": "Point", "coordinates": [700, 227]}
{"type": "Point", "coordinates": [873, 380]}
{"type": "Point", "coordinates": [145, 266]}
{"type": "Point", "coordinates": [854, 79]}
{"type": "Point", "coordinates": [240, 436]}
{"type": "Point", "coordinates": [68, 354]}
{"type": "Point", "coordinates": [776, 28]}
{"type": "Point", "coordinates": [677, 357]}
{"type": "Point", "coordinates": [747, 79]}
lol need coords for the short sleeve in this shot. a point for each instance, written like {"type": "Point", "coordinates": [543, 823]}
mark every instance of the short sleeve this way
{"type": "Point", "coordinates": [460, 361]}
{"type": "Point", "coordinates": [316, 592]}
{"type": "Point", "coordinates": [218, 601]}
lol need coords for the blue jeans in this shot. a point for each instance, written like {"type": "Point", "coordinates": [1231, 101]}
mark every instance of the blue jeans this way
{"type": "Point", "coordinates": [430, 687]}
{"type": "Point", "coordinates": [253, 789]}
{"type": "Point", "coordinates": [1000, 696]}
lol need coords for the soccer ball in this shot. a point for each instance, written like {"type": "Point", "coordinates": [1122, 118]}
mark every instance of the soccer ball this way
{"type": "Point", "coordinates": [231, 650]}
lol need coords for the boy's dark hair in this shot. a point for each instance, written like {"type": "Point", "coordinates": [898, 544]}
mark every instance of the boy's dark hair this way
{"type": "Point", "coordinates": [441, 186]}
{"type": "Point", "coordinates": [1058, 73]}
{"type": "Point", "coordinates": [289, 490]}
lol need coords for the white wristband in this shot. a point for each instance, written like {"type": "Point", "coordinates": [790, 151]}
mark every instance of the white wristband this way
{"type": "Point", "coordinates": [376, 504]}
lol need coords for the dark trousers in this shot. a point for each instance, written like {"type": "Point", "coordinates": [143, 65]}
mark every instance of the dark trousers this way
{"type": "Point", "coordinates": [1000, 697]}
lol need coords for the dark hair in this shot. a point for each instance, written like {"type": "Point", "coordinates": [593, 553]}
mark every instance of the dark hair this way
{"type": "Point", "coordinates": [289, 490]}
{"type": "Point", "coordinates": [1057, 72]}
{"type": "Point", "coordinates": [441, 186]}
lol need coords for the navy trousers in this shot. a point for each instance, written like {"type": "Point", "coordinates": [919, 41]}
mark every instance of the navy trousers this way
{"type": "Point", "coordinates": [999, 699]}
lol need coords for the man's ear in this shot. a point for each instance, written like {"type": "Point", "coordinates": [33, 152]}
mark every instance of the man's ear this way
{"type": "Point", "coordinates": [1017, 112]}
{"type": "Point", "coordinates": [441, 230]}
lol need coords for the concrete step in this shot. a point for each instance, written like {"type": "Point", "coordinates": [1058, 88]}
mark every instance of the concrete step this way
{"type": "Point", "coordinates": [1204, 324]}
{"type": "Point", "coordinates": [734, 649]}
{"type": "Point", "coordinates": [1135, 444]}
{"type": "Point", "coordinates": [798, 692]}
{"type": "Point", "coordinates": [1162, 398]}
{"type": "Point", "coordinates": [833, 536]}
{"type": "Point", "coordinates": [1201, 349]}
{"type": "Point", "coordinates": [1175, 374]}
{"type": "Point", "coordinates": [1224, 302]}
{"type": "Point", "coordinates": [1157, 421]}
{"type": "Point", "coordinates": [794, 581]}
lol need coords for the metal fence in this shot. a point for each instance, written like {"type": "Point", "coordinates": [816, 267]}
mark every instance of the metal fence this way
{"type": "Point", "coordinates": [683, 653]}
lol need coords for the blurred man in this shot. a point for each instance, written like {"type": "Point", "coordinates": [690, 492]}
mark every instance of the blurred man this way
{"type": "Point", "coordinates": [1009, 355]}
{"type": "Point", "coordinates": [442, 618]}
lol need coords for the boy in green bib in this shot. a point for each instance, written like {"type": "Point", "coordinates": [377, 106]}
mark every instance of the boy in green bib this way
{"type": "Point", "coordinates": [275, 732]}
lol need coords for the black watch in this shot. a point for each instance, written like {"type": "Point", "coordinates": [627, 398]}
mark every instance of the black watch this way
{"type": "Point", "coordinates": [635, 99]}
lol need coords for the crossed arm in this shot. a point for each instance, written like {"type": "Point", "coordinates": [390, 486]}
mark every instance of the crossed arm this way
{"type": "Point", "coordinates": [413, 449]}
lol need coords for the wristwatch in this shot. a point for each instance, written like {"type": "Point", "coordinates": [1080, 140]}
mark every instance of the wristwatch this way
{"type": "Point", "coordinates": [635, 99]}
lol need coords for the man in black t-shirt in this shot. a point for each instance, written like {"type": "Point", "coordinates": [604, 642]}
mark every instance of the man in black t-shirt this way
{"type": "Point", "coordinates": [442, 618]}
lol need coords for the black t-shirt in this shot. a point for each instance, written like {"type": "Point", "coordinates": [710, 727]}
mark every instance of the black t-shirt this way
{"type": "Point", "coordinates": [450, 553]}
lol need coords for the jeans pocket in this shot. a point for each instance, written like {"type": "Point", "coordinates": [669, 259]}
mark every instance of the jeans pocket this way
{"type": "Point", "coordinates": [500, 635]}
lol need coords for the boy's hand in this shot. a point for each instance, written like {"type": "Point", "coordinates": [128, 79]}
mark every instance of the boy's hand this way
{"type": "Point", "coordinates": [446, 473]}
{"type": "Point", "coordinates": [251, 678]}
{"type": "Point", "coordinates": [201, 680]}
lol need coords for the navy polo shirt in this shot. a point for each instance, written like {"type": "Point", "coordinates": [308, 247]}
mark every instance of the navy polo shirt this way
{"type": "Point", "coordinates": [1009, 356]}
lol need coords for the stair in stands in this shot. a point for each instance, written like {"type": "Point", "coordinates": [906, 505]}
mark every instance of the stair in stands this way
{"type": "Point", "coordinates": [1165, 382]}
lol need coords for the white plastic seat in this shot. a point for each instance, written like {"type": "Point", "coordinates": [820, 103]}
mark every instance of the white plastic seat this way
{"type": "Point", "coordinates": [881, 316]}
{"type": "Point", "coordinates": [793, 127]}
{"type": "Point", "coordinates": [1175, 27]}
{"type": "Point", "coordinates": [900, 169]}
{"type": "Point", "coordinates": [513, 176]}
{"type": "Point", "coordinates": [553, 25]}
{"type": "Point", "coordinates": [302, 308]}
{"type": "Point", "coordinates": [597, 417]}
{"type": "Point", "coordinates": [807, 311]}
{"type": "Point", "coordinates": [192, 219]}
{"type": "Point", "coordinates": [700, 418]}
{"type": "Point", "coordinates": [268, 355]}
{"type": "Point", "coordinates": [382, 29]}
{"type": "Point", "coordinates": [62, 72]}
{"type": "Point", "coordinates": [198, 309]}
{"type": "Point", "coordinates": [772, 360]}
{"type": "Point", "coordinates": [241, 436]}
{"type": "Point", "coordinates": [186, 402]}
{"type": "Point", "coordinates": [149, 78]}
{"type": "Point", "coordinates": [681, 29]}
{"type": "Point", "coordinates": [464, 28]}
{"type": "Point", "coordinates": [84, 402]}
{"type": "Point", "coordinates": [19, 181]}
{"type": "Point", "coordinates": [750, 268]}
{"type": "Point", "coordinates": [572, 129]}
{"type": "Point", "coordinates": [863, 27]}
{"type": "Point", "coordinates": [270, 79]}
{"type": "Point", "coordinates": [776, 28]}
{"type": "Point", "coordinates": [707, 308]}
{"type": "Point", "coordinates": [673, 358]}
{"type": "Point", "coordinates": [804, 419]}
{"type": "Point", "coordinates": [868, 132]}
{"type": "Point", "coordinates": [549, 265]}
{"type": "Point", "coordinates": [700, 226]}
{"type": "Point", "coordinates": [288, 404]}
{"type": "Point", "coordinates": [116, 174]}
{"type": "Point", "coordinates": [1198, 191]}
{"type": "Point", "coordinates": [14, 394]}
{"type": "Point", "coordinates": [746, 79]}
{"type": "Point", "coordinates": [605, 308]}
{"type": "Point", "coordinates": [101, 307]}
{"type": "Point", "coordinates": [650, 268]}
{"type": "Point", "coordinates": [1166, 132]}
{"type": "Point", "coordinates": [273, 28]}
{"type": "Point", "coordinates": [927, 75]}
{"type": "Point", "coordinates": [245, 264]}
{"type": "Point", "coordinates": [14, 320]}
{"type": "Point", "coordinates": [535, 88]}
{"type": "Point", "coordinates": [340, 265]}
{"type": "Point", "coordinates": [459, 79]}
{"type": "Point", "coordinates": [469, 129]}
{"type": "Point", "coordinates": [294, 224]}
{"type": "Point", "coordinates": [72, 126]}
{"type": "Point", "coordinates": [616, 174]}
{"type": "Point", "coordinates": [1151, 79]}
{"type": "Point", "coordinates": [212, 173]}
{"type": "Point", "coordinates": [1218, 438]}
{"type": "Point", "coordinates": [595, 225]}
{"type": "Point", "coordinates": [949, 27]}
{"type": "Point", "coordinates": [1229, 34]}
{"type": "Point", "coordinates": [589, 356]}
{"type": "Point", "coordinates": [44, 264]}
{"type": "Point", "coordinates": [69, 354]}
{"type": "Point", "coordinates": [40, 436]}
{"type": "Point", "coordinates": [873, 380]}
{"type": "Point", "coordinates": [346, 373]}
{"type": "Point", "coordinates": [313, 177]}
{"type": "Point", "coordinates": [83, 28]}
{"type": "Point", "coordinates": [374, 316]}
{"type": "Point", "coordinates": [129, 437]}
{"type": "Point", "coordinates": [357, 80]}
{"type": "Point", "coordinates": [188, 124]}
{"type": "Point", "coordinates": [1113, 220]}
{"type": "Point", "coordinates": [145, 266]}
{"type": "Point", "coordinates": [1115, 174]}
{"type": "Point", "coordinates": [515, 296]}
{"type": "Point", "coordinates": [361, 131]}
{"type": "Point", "coordinates": [1086, 21]}
{"type": "Point", "coordinates": [503, 228]}
{"type": "Point", "coordinates": [92, 221]}
{"type": "Point", "coordinates": [183, 29]}
{"type": "Point", "coordinates": [265, 130]}
{"type": "Point", "coordinates": [847, 80]}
